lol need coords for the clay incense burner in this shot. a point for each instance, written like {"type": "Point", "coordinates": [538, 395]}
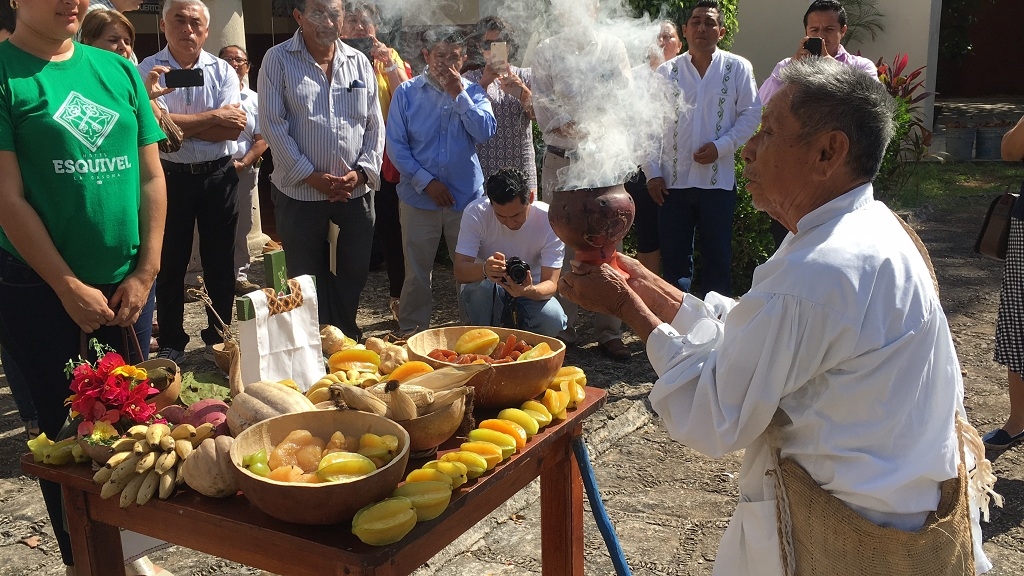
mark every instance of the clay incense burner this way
{"type": "Point", "coordinates": [592, 221]}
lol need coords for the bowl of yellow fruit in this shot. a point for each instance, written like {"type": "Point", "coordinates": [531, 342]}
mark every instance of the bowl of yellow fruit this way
{"type": "Point", "coordinates": [522, 363]}
{"type": "Point", "coordinates": [320, 467]}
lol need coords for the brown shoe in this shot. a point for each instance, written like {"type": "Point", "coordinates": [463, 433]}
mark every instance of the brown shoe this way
{"type": "Point", "coordinates": [614, 349]}
{"type": "Point", "coordinates": [243, 287]}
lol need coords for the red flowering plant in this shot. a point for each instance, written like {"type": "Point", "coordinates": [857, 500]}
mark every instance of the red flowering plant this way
{"type": "Point", "coordinates": [108, 397]}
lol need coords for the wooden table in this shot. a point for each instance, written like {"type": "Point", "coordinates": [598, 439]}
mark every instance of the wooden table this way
{"type": "Point", "coordinates": [234, 529]}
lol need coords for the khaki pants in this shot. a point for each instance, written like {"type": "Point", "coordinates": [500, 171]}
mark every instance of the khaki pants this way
{"type": "Point", "coordinates": [421, 234]}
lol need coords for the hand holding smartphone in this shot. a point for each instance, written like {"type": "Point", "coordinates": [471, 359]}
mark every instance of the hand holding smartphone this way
{"type": "Point", "coordinates": [499, 57]}
{"type": "Point", "coordinates": [182, 78]}
{"type": "Point", "coordinates": [816, 46]}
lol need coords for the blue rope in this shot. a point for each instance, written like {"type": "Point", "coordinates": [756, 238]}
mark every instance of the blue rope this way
{"type": "Point", "coordinates": [604, 524]}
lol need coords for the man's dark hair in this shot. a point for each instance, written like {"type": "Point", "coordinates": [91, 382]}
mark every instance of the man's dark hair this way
{"type": "Point", "coordinates": [826, 6]}
{"type": "Point", "coordinates": [506, 185]}
{"type": "Point", "coordinates": [830, 96]}
{"type": "Point", "coordinates": [504, 29]}
{"type": "Point", "coordinates": [705, 4]}
{"type": "Point", "coordinates": [443, 34]}
{"type": "Point", "coordinates": [7, 17]}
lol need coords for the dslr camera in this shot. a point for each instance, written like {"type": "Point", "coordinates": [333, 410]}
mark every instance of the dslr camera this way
{"type": "Point", "coordinates": [516, 269]}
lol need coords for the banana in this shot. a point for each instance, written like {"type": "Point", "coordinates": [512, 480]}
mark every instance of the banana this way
{"type": "Point", "coordinates": [448, 378]}
{"type": "Point", "coordinates": [125, 468]}
{"type": "Point", "coordinates": [148, 488]}
{"type": "Point", "coordinates": [138, 432]}
{"type": "Point", "coordinates": [166, 487]}
{"type": "Point", "coordinates": [155, 432]}
{"type": "Point", "coordinates": [401, 405]}
{"type": "Point", "coordinates": [110, 488]}
{"type": "Point", "coordinates": [142, 447]}
{"type": "Point", "coordinates": [183, 432]}
{"type": "Point", "coordinates": [167, 443]}
{"type": "Point", "coordinates": [118, 457]}
{"type": "Point", "coordinates": [203, 431]}
{"type": "Point", "coordinates": [359, 399]}
{"type": "Point", "coordinates": [322, 394]}
{"type": "Point", "coordinates": [146, 463]}
{"type": "Point", "coordinates": [131, 490]}
{"type": "Point", "coordinates": [179, 478]}
{"type": "Point", "coordinates": [102, 475]}
{"type": "Point", "coordinates": [165, 462]}
{"type": "Point", "coordinates": [183, 448]}
{"type": "Point", "coordinates": [123, 444]}
{"type": "Point", "coordinates": [445, 398]}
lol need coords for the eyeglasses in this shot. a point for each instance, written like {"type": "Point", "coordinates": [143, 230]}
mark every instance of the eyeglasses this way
{"type": "Point", "coordinates": [238, 60]}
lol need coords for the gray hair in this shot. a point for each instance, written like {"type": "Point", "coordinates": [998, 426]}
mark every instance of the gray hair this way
{"type": "Point", "coordinates": [169, 4]}
{"type": "Point", "coordinates": [832, 96]}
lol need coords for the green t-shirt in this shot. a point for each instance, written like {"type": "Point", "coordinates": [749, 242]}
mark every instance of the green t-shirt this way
{"type": "Point", "coordinates": [76, 127]}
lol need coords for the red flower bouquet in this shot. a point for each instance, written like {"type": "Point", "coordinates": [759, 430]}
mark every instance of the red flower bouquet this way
{"type": "Point", "coordinates": [110, 392]}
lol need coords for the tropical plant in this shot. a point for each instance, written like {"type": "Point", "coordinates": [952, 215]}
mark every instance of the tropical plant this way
{"type": "Point", "coordinates": [675, 10]}
{"type": "Point", "coordinates": [752, 241]}
{"type": "Point", "coordinates": [863, 19]}
{"type": "Point", "coordinates": [910, 140]}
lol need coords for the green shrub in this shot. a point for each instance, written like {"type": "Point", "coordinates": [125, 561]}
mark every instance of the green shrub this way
{"type": "Point", "coordinates": [752, 242]}
{"type": "Point", "coordinates": [675, 10]}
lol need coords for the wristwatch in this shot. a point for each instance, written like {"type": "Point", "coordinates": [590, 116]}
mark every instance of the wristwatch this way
{"type": "Point", "coordinates": [359, 170]}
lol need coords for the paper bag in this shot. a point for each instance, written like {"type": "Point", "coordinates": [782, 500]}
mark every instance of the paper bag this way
{"type": "Point", "coordinates": [284, 344]}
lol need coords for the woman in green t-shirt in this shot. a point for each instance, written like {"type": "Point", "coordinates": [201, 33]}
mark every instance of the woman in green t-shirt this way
{"type": "Point", "coordinates": [82, 205]}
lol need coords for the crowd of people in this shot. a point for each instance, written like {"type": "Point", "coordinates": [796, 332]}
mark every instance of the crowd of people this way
{"type": "Point", "coordinates": [99, 229]}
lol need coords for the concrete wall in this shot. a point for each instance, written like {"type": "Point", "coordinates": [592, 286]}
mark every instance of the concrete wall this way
{"type": "Point", "coordinates": [770, 31]}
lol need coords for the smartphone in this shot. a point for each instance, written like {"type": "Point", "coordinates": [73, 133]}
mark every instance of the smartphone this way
{"type": "Point", "coordinates": [499, 57]}
{"type": "Point", "coordinates": [815, 46]}
{"type": "Point", "coordinates": [364, 45]}
{"type": "Point", "coordinates": [183, 78]}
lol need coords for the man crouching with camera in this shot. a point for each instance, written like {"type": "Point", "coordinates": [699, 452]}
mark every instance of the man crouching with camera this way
{"type": "Point", "coordinates": [505, 243]}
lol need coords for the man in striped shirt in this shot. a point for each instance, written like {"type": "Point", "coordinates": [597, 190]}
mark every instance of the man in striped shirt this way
{"type": "Point", "coordinates": [320, 114]}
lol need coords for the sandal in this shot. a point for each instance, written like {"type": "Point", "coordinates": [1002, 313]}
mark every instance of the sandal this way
{"type": "Point", "coordinates": [999, 441]}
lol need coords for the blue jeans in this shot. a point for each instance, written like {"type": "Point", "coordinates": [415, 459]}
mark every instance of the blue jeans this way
{"type": "Point", "coordinates": [41, 337]}
{"type": "Point", "coordinates": [709, 214]}
{"type": "Point", "coordinates": [488, 304]}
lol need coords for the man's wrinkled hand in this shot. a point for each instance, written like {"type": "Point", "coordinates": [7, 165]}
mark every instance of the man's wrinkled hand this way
{"type": "Point", "coordinates": [439, 193]}
{"type": "Point", "coordinates": [597, 288]}
{"type": "Point", "coordinates": [231, 115]}
{"type": "Point", "coordinates": [657, 189]}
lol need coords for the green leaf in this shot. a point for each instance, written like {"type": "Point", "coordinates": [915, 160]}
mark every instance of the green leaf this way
{"type": "Point", "coordinates": [196, 386]}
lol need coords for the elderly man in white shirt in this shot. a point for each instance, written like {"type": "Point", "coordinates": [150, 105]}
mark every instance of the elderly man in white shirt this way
{"type": "Point", "coordinates": [201, 178]}
{"type": "Point", "coordinates": [321, 116]}
{"type": "Point", "coordinates": [694, 180]}
{"type": "Point", "coordinates": [842, 333]}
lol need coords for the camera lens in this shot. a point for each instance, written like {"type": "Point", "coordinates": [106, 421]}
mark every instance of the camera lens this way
{"type": "Point", "coordinates": [516, 269]}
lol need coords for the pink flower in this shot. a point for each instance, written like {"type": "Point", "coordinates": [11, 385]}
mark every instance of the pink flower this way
{"type": "Point", "coordinates": [85, 428]}
{"type": "Point", "coordinates": [115, 392]}
{"type": "Point", "coordinates": [109, 361]}
{"type": "Point", "coordinates": [138, 411]}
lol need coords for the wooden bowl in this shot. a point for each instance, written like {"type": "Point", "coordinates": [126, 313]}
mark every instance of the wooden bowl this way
{"type": "Point", "coordinates": [169, 393]}
{"type": "Point", "coordinates": [221, 357]}
{"type": "Point", "coordinates": [98, 452]}
{"type": "Point", "coordinates": [325, 503]}
{"type": "Point", "coordinates": [505, 385]}
{"type": "Point", "coordinates": [431, 430]}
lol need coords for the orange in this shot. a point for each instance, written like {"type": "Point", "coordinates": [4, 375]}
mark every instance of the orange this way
{"type": "Point", "coordinates": [409, 370]}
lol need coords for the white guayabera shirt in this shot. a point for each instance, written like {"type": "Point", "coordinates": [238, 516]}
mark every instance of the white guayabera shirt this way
{"type": "Point", "coordinates": [842, 330]}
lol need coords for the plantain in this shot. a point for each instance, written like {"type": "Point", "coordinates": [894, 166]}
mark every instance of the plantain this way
{"type": "Point", "coordinates": [183, 448]}
{"type": "Point", "coordinates": [166, 486]}
{"type": "Point", "coordinates": [448, 377]}
{"type": "Point", "coordinates": [359, 399]}
{"type": "Point", "coordinates": [183, 432]}
{"type": "Point", "coordinates": [148, 488]}
{"type": "Point", "coordinates": [203, 431]}
{"type": "Point", "coordinates": [155, 432]}
{"type": "Point", "coordinates": [117, 458]}
{"type": "Point", "coordinates": [131, 490]}
{"type": "Point", "coordinates": [146, 463]}
{"type": "Point", "coordinates": [165, 462]}
{"type": "Point", "coordinates": [167, 442]}
{"type": "Point", "coordinates": [110, 487]}
{"type": "Point", "coordinates": [142, 447]}
{"type": "Point", "coordinates": [123, 444]}
{"type": "Point", "coordinates": [138, 432]}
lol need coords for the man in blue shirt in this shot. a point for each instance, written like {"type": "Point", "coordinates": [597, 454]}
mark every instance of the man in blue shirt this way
{"type": "Point", "coordinates": [434, 124]}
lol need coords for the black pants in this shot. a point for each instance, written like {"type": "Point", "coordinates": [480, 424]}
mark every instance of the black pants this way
{"type": "Point", "coordinates": [389, 230]}
{"type": "Point", "coordinates": [210, 202]}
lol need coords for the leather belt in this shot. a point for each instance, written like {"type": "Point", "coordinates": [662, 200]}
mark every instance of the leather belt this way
{"type": "Point", "coordinates": [560, 152]}
{"type": "Point", "coordinates": [195, 167]}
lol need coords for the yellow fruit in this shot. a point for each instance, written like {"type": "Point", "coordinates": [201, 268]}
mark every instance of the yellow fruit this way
{"type": "Point", "coordinates": [508, 427]}
{"type": "Point", "coordinates": [527, 422]}
{"type": "Point", "coordinates": [539, 351]}
{"type": "Point", "coordinates": [575, 392]}
{"type": "Point", "coordinates": [428, 498]}
{"type": "Point", "coordinates": [381, 447]}
{"type": "Point", "coordinates": [385, 522]}
{"type": "Point", "coordinates": [410, 370]}
{"type": "Point", "coordinates": [319, 395]}
{"type": "Point", "coordinates": [354, 359]}
{"type": "Point", "coordinates": [475, 463]}
{"type": "Point", "coordinates": [477, 341]}
{"type": "Point", "coordinates": [538, 411]}
{"type": "Point", "coordinates": [344, 466]}
{"type": "Point", "coordinates": [289, 383]}
{"type": "Point", "coordinates": [491, 453]}
{"type": "Point", "coordinates": [500, 439]}
{"type": "Point", "coordinates": [555, 401]}
{"type": "Point", "coordinates": [428, 475]}
{"type": "Point", "coordinates": [454, 470]}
